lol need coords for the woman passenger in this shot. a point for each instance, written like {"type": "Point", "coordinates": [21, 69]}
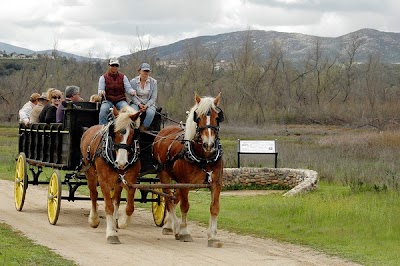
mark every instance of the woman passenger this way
{"type": "Point", "coordinates": [48, 114]}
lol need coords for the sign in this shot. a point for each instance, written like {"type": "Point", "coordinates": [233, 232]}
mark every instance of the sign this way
{"type": "Point", "coordinates": [257, 146]}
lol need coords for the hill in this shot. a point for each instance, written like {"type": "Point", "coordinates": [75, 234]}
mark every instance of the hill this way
{"type": "Point", "coordinates": [8, 49]}
{"type": "Point", "coordinates": [295, 46]}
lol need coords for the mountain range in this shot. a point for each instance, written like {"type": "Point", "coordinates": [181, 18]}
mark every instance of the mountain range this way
{"type": "Point", "coordinates": [8, 48]}
{"type": "Point", "coordinates": [295, 46]}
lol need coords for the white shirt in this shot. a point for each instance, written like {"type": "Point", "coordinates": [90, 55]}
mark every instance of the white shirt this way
{"type": "Point", "coordinates": [25, 112]}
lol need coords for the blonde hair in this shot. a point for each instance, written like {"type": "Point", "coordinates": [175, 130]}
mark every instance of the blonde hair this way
{"type": "Point", "coordinates": [54, 92]}
{"type": "Point", "coordinates": [49, 93]}
{"type": "Point", "coordinates": [95, 98]}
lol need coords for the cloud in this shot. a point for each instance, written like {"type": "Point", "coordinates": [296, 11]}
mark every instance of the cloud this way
{"type": "Point", "coordinates": [106, 28]}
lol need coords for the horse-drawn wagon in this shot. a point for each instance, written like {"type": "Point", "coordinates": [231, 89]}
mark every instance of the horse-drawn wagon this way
{"type": "Point", "coordinates": [118, 155]}
{"type": "Point", "coordinates": [57, 146]}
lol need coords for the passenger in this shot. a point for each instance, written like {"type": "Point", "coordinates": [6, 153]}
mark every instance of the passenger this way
{"type": "Point", "coordinates": [95, 98]}
{"type": "Point", "coordinates": [113, 86]}
{"type": "Point", "coordinates": [48, 114]}
{"type": "Point", "coordinates": [146, 95]}
{"type": "Point", "coordinates": [72, 94]}
{"type": "Point", "coordinates": [34, 117]}
{"type": "Point", "coordinates": [26, 110]}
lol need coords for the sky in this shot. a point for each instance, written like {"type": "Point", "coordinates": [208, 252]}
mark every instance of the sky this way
{"type": "Point", "coordinates": [104, 29]}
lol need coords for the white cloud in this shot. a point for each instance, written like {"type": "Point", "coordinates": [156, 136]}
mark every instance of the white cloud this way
{"type": "Point", "coordinates": [105, 28]}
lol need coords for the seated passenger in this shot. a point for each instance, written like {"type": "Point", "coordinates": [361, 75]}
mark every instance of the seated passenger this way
{"type": "Point", "coordinates": [72, 94]}
{"type": "Point", "coordinates": [48, 114]}
{"type": "Point", "coordinates": [34, 117]}
{"type": "Point", "coordinates": [26, 110]}
{"type": "Point", "coordinates": [113, 86]}
{"type": "Point", "coordinates": [146, 95]}
{"type": "Point", "coordinates": [95, 98]}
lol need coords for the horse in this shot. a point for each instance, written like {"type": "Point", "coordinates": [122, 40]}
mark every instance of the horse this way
{"type": "Point", "coordinates": [191, 155]}
{"type": "Point", "coordinates": [110, 158]}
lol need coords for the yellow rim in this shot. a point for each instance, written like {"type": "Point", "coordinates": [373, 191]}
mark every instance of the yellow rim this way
{"type": "Point", "coordinates": [158, 209]}
{"type": "Point", "coordinates": [19, 182]}
{"type": "Point", "coordinates": [54, 197]}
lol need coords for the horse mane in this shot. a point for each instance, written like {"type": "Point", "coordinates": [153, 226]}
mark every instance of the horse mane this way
{"type": "Point", "coordinates": [124, 120]}
{"type": "Point", "coordinates": [201, 109]}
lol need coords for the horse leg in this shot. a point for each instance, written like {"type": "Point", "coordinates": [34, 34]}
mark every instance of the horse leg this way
{"type": "Point", "coordinates": [213, 241]}
{"type": "Point", "coordinates": [116, 198]}
{"type": "Point", "coordinates": [93, 218]}
{"type": "Point", "coordinates": [127, 215]}
{"type": "Point", "coordinates": [111, 230]}
{"type": "Point", "coordinates": [184, 234]}
{"type": "Point", "coordinates": [171, 221]}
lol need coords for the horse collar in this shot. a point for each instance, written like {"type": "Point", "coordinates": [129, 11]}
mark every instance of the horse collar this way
{"type": "Point", "coordinates": [190, 155]}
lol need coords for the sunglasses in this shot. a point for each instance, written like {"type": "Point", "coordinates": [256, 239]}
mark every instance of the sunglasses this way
{"type": "Point", "coordinates": [56, 97]}
{"type": "Point", "coordinates": [146, 70]}
{"type": "Point", "coordinates": [114, 65]}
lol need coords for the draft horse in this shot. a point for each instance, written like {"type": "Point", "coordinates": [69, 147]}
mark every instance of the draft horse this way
{"type": "Point", "coordinates": [110, 158]}
{"type": "Point", "coordinates": [192, 155]}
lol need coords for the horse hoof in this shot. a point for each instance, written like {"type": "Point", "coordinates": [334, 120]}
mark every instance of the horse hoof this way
{"type": "Point", "coordinates": [94, 224]}
{"type": "Point", "coordinates": [185, 238]}
{"type": "Point", "coordinates": [113, 240]}
{"type": "Point", "coordinates": [167, 231]}
{"type": "Point", "coordinates": [214, 243]}
{"type": "Point", "coordinates": [177, 237]}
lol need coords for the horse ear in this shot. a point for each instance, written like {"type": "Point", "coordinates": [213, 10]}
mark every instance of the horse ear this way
{"type": "Point", "coordinates": [115, 111]}
{"type": "Point", "coordinates": [197, 97]}
{"type": "Point", "coordinates": [134, 116]}
{"type": "Point", "coordinates": [216, 100]}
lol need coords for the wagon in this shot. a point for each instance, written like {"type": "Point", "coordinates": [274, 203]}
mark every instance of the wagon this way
{"type": "Point", "coordinates": [57, 146]}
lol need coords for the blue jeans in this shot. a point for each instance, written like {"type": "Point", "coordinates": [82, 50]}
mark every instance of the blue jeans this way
{"type": "Point", "coordinates": [105, 110]}
{"type": "Point", "coordinates": [150, 112]}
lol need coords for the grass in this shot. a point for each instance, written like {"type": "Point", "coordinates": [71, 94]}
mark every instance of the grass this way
{"type": "Point", "coordinates": [15, 249]}
{"type": "Point", "coordinates": [362, 227]}
{"type": "Point", "coordinates": [355, 213]}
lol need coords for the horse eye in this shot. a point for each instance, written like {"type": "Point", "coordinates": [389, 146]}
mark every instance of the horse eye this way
{"type": "Point", "coordinates": [123, 131]}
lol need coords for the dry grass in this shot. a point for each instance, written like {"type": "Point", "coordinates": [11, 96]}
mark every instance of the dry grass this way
{"type": "Point", "coordinates": [364, 158]}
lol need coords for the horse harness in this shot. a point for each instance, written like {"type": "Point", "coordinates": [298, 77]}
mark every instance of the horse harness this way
{"type": "Point", "coordinates": [188, 153]}
{"type": "Point", "coordinates": [108, 149]}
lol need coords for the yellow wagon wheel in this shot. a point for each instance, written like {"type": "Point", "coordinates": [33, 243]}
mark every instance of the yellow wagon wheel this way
{"type": "Point", "coordinates": [158, 208]}
{"type": "Point", "coordinates": [54, 197]}
{"type": "Point", "coordinates": [20, 181]}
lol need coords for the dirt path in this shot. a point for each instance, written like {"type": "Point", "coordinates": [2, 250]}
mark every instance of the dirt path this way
{"type": "Point", "coordinates": [142, 242]}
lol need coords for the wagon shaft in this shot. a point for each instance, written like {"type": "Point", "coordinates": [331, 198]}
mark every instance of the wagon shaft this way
{"type": "Point", "coordinates": [151, 186]}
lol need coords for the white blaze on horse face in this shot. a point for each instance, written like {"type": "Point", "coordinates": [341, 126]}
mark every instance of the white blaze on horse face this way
{"type": "Point", "coordinates": [122, 154]}
{"type": "Point", "coordinates": [209, 138]}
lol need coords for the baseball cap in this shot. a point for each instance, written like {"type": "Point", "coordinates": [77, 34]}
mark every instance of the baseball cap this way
{"type": "Point", "coordinates": [113, 61]}
{"type": "Point", "coordinates": [144, 66]}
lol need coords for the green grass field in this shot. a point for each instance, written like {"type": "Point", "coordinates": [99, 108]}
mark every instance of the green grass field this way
{"type": "Point", "coordinates": [355, 212]}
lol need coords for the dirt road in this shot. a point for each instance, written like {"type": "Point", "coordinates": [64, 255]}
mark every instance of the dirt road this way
{"type": "Point", "coordinates": [142, 242]}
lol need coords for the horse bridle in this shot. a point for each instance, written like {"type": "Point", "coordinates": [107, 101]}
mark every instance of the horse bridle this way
{"type": "Point", "coordinates": [109, 148]}
{"type": "Point", "coordinates": [196, 119]}
{"type": "Point", "coordinates": [188, 146]}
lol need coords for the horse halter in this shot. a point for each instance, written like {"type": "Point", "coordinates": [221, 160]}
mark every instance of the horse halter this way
{"type": "Point", "coordinates": [110, 148]}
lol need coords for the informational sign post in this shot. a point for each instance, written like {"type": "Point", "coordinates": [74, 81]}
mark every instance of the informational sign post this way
{"type": "Point", "coordinates": [257, 147]}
